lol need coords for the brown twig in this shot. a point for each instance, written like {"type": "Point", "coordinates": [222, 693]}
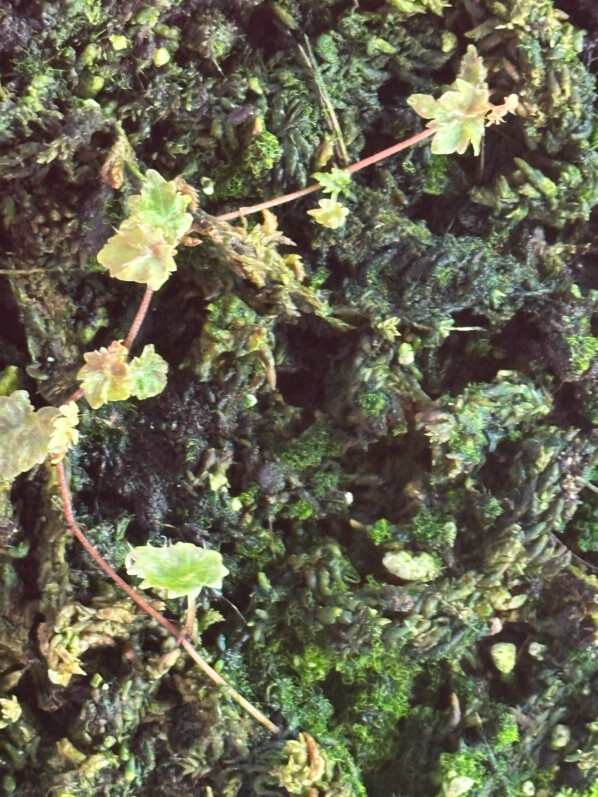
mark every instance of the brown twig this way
{"type": "Point", "coordinates": [149, 609]}
{"type": "Point", "coordinates": [335, 127]}
{"type": "Point", "coordinates": [23, 272]}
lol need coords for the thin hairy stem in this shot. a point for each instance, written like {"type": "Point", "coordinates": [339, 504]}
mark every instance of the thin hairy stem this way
{"type": "Point", "coordinates": [149, 609]}
{"type": "Point", "coordinates": [76, 395]}
{"type": "Point", "coordinates": [23, 272]}
{"type": "Point", "coordinates": [282, 200]}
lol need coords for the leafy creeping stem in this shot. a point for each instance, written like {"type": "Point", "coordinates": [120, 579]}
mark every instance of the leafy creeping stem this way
{"type": "Point", "coordinates": [458, 118]}
{"type": "Point", "coordinates": [143, 250]}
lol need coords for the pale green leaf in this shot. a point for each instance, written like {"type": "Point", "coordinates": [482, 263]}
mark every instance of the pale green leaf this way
{"type": "Point", "coordinates": [459, 116]}
{"type": "Point", "coordinates": [330, 213]}
{"type": "Point", "coordinates": [139, 253]}
{"type": "Point", "coordinates": [457, 136]}
{"type": "Point", "coordinates": [161, 206]}
{"type": "Point", "coordinates": [182, 569]}
{"type": "Point", "coordinates": [458, 786]}
{"type": "Point", "coordinates": [106, 375]}
{"type": "Point", "coordinates": [148, 372]}
{"type": "Point", "coordinates": [420, 6]}
{"type": "Point", "coordinates": [472, 69]}
{"type": "Point", "coordinates": [412, 566]}
{"type": "Point", "coordinates": [423, 104]}
{"type": "Point", "coordinates": [10, 710]}
{"type": "Point", "coordinates": [335, 182]}
{"type": "Point", "coordinates": [64, 431]}
{"type": "Point", "coordinates": [504, 656]}
{"type": "Point", "coordinates": [24, 434]}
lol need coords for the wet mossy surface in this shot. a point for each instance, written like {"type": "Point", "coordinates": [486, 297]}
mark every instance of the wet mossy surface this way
{"type": "Point", "coordinates": [420, 390]}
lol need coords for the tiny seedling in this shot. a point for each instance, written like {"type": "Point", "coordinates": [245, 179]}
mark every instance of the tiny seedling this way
{"type": "Point", "coordinates": [181, 570]}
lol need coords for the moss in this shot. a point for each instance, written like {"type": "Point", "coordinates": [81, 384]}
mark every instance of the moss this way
{"type": "Point", "coordinates": [436, 374]}
{"type": "Point", "coordinates": [507, 733]}
{"type": "Point", "coordinates": [584, 350]}
{"type": "Point", "coordinates": [308, 450]}
{"type": "Point", "coordinates": [380, 531]}
{"type": "Point", "coordinates": [434, 528]}
{"type": "Point", "coordinates": [373, 404]}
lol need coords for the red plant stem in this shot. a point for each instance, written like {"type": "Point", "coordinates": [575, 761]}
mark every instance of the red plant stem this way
{"type": "Point", "coordinates": [282, 200]}
{"type": "Point", "coordinates": [386, 153]}
{"type": "Point", "coordinates": [270, 203]}
{"type": "Point", "coordinates": [149, 609]}
{"type": "Point", "coordinates": [129, 340]}
{"type": "Point", "coordinates": [78, 394]}
{"type": "Point", "coordinates": [138, 320]}
{"type": "Point", "coordinates": [131, 335]}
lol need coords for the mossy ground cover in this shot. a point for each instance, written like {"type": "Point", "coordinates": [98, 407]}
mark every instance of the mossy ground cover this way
{"type": "Point", "coordinates": [391, 441]}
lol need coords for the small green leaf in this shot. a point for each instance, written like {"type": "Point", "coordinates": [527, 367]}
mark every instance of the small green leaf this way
{"type": "Point", "coordinates": [412, 566]}
{"type": "Point", "coordinates": [458, 786]}
{"type": "Point", "coordinates": [139, 253]}
{"type": "Point", "coordinates": [420, 6]}
{"type": "Point", "coordinates": [105, 375]}
{"type": "Point", "coordinates": [162, 207]}
{"type": "Point", "coordinates": [456, 137]}
{"type": "Point", "coordinates": [148, 372]}
{"type": "Point", "coordinates": [24, 434]}
{"type": "Point", "coordinates": [10, 710]}
{"type": "Point", "coordinates": [504, 656]}
{"type": "Point", "coordinates": [472, 69]}
{"type": "Point", "coordinates": [182, 569]}
{"type": "Point", "coordinates": [423, 104]}
{"type": "Point", "coordinates": [330, 213]}
{"type": "Point", "coordinates": [64, 431]}
{"type": "Point", "coordinates": [335, 182]}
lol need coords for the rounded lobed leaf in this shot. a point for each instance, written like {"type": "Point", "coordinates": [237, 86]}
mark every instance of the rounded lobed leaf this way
{"type": "Point", "coordinates": [139, 253]}
{"type": "Point", "coordinates": [472, 68]}
{"type": "Point", "coordinates": [330, 213]}
{"type": "Point", "coordinates": [456, 137]}
{"type": "Point", "coordinates": [24, 434]}
{"type": "Point", "coordinates": [460, 115]}
{"type": "Point", "coordinates": [148, 373]}
{"type": "Point", "coordinates": [161, 206]}
{"type": "Point", "coordinates": [106, 375]}
{"type": "Point", "coordinates": [182, 569]}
